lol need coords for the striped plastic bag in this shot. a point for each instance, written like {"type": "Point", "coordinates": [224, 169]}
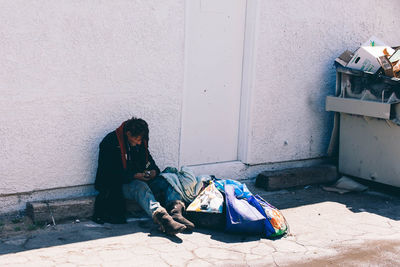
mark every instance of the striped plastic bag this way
{"type": "Point", "coordinates": [276, 224]}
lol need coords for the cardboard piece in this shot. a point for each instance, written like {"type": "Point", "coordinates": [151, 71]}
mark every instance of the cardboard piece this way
{"type": "Point", "coordinates": [345, 185]}
{"type": "Point", "coordinates": [395, 60]}
{"type": "Point", "coordinates": [396, 68]}
{"type": "Point", "coordinates": [344, 58]}
{"type": "Point", "coordinates": [395, 56]}
{"type": "Point", "coordinates": [391, 65]}
{"type": "Point", "coordinates": [386, 66]}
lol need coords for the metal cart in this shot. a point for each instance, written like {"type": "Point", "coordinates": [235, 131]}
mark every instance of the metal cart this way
{"type": "Point", "coordinates": [367, 120]}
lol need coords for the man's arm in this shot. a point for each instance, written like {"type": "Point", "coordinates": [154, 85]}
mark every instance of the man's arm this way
{"type": "Point", "coordinates": [143, 177]}
{"type": "Point", "coordinates": [154, 170]}
{"type": "Point", "coordinates": [109, 171]}
{"type": "Point", "coordinates": [143, 173]}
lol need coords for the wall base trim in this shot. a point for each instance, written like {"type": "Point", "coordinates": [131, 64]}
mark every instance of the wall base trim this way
{"type": "Point", "coordinates": [238, 170]}
{"type": "Point", "coordinates": [17, 202]}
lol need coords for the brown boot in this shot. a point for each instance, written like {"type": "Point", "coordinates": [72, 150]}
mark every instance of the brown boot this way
{"type": "Point", "coordinates": [175, 209]}
{"type": "Point", "coordinates": [167, 224]}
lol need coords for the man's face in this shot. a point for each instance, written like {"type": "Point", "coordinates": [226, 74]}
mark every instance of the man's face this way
{"type": "Point", "coordinates": [134, 140]}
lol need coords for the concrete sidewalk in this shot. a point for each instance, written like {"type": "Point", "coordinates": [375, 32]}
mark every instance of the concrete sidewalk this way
{"type": "Point", "coordinates": [327, 229]}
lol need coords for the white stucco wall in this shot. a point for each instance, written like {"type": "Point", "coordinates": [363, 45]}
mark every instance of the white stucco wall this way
{"type": "Point", "coordinates": [296, 44]}
{"type": "Point", "coordinates": [71, 71]}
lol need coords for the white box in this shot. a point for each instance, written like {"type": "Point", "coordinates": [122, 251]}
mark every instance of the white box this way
{"type": "Point", "coordinates": [366, 57]}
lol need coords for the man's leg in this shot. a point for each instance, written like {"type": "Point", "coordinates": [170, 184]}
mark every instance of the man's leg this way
{"type": "Point", "coordinates": [141, 192]}
{"type": "Point", "coordinates": [161, 188]}
{"type": "Point", "coordinates": [173, 200]}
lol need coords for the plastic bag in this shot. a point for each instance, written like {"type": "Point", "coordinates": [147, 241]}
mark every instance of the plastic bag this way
{"type": "Point", "coordinates": [209, 200]}
{"type": "Point", "coordinates": [276, 224]}
{"type": "Point", "coordinates": [241, 190]}
{"type": "Point", "coordinates": [241, 216]}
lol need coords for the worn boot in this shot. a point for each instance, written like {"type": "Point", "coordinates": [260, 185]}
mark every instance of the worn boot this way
{"type": "Point", "coordinates": [175, 209]}
{"type": "Point", "coordinates": [167, 224]}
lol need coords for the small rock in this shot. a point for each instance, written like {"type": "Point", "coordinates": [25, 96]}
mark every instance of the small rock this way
{"type": "Point", "coordinates": [15, 242]}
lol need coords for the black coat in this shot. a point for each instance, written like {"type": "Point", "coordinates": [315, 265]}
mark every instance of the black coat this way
{"type": "Point", "coordinates": [111, 175]}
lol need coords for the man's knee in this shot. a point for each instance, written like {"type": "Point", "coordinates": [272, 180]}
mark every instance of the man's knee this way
{"type": "Point", "coordinates": [159, 184]}
{"type": "Point", "coordinates": [139, 184]}
{"type": "Point", "coordinates": [135, 188]}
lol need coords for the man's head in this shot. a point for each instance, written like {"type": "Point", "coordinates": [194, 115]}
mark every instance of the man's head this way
{"type": "Point", "coordinates": [136, 131]}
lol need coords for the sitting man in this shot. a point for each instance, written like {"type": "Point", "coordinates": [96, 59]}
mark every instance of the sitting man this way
{"type": "Point", "coordinates": [127, 170]}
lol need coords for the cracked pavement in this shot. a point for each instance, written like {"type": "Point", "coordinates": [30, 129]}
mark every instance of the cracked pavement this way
{"type": "Point", "coordinates": [327, 229]}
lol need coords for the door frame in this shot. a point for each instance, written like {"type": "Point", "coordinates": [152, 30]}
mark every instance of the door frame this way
{"type": "Point", "coordinates": [248, 78]}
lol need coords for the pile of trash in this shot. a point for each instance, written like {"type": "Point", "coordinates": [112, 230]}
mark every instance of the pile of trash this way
{"type": "Point", "coordinates": [371, 73]}
{"type": "Point", "coordinates": [375, 57]}
{"type": "Point", "coordinates": [367, 114]}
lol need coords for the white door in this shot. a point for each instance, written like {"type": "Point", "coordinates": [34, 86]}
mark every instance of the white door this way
{"type": "Point", "coordinates": [213, 75]}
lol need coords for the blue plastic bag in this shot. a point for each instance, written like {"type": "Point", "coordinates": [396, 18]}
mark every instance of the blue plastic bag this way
{"type": "Point", "coordinates": [241, 190]}
{"type": "Point", "coordinates": [241, 216]}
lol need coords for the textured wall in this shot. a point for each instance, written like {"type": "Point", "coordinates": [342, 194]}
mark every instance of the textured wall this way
{"type": "Point", "coordinates": [297, 42]}
{"type": "Point", "coordinates": [71, 71]}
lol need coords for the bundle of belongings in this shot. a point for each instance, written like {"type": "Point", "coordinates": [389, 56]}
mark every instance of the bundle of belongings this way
{"type": "Point", "coordinates": [228, 205]}
{"type": "Point", "coordinates": [375, 57]}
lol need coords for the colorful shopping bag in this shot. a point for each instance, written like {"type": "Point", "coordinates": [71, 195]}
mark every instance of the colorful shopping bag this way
{"type": "Point", "coordinates": [276, 224]}
{"type": "Point", "coordinates": [241, 216]}
{"type": "Point", "coordinates": [209, 200]}
{"type": "Point", "coordinates": [207, 209]}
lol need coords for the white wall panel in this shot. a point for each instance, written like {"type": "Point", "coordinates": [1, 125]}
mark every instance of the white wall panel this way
{"type": "Point", "coordinates": [71, 71]}
{"type": "Point", "coordinates": [213, 76]}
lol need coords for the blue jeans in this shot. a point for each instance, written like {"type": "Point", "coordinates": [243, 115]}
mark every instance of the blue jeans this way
{"type": "Point", "coordinates": [150, 194]}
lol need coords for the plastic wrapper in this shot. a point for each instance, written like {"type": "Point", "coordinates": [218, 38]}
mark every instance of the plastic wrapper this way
{"type": "Point", "coordinates": [210, 200]}
{"type": "Point", "coordinates": [277, 225]}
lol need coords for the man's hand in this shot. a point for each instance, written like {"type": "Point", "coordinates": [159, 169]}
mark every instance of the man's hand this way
{"type": "Point", "coordinates": [140, 176]}
{"type": "Point", "coordinates": [150, 174]}
{"type": "Point", "coordinates": [146, 176]}
{"type": "Point", "coordinates": [153, 174]}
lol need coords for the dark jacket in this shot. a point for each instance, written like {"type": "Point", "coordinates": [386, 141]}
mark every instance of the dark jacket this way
{"type": "Point", "coordinates": [117, 165]}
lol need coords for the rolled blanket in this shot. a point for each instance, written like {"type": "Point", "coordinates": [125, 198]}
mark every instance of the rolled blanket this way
{"type": "Point", "coordinates": [184, 182]}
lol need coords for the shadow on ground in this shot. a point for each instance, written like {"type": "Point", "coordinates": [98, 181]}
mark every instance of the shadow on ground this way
{"type": "Point", "coordinates": [69, 232]}
{"type": "Point", "coordinates": [375, 200]}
